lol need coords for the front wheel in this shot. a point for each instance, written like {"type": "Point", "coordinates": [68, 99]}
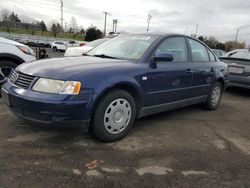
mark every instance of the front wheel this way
{"type": "Point", "coordinates": [214, 97]}
{"type": "Point", "coordinates": [6, 67]}
{"type": "Point", "coordinates": [114, 116]}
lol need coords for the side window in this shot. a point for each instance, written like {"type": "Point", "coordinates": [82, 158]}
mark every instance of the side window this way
{"type": "Point", "coordinates": [211, 55]}
{"type": "Point", "coordinates": [175, 45]}
{"type": "Point", "coordinates": [198, 51]}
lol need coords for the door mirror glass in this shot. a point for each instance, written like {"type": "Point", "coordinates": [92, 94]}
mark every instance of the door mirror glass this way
{"type": "Point", "coordinates": [163, 56]}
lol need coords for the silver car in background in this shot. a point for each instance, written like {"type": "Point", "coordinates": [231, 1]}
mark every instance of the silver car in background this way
{"type": "Point", "coordinates": [239, 67]}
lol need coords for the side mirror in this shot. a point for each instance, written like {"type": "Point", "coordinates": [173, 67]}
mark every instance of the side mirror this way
{"type": "Point", "coordinates": [163, 56]}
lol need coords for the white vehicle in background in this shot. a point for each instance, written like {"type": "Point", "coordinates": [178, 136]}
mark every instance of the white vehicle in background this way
{"type": "Point", "coordinates": [58, 45]}
{"type": "Point", "coordinates": [75, 43]}
{"type": "Point", "coordinates": [78, 51]}
{"type": "Point", "coordinates": [63, 45]}
{"type": "Point", "coordinates": [12, 54]}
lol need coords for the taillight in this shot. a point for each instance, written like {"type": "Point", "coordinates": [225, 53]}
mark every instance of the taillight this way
{"type": "Point", "coordinates": [82, 44]}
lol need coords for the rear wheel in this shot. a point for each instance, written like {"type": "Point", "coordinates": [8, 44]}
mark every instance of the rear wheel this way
{"type": "Point", "coordinates": [54, 49]}
{"type": "Point", "coordinates": [214, 97]}
{"type": "Point", "coordinates": [6, 67]}
{"type": "Point", "coordinates": [114, 116]}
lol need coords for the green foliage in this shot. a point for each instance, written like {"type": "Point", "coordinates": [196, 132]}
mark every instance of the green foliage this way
{"type": "Point", "coordinates": [93, 33]}
{"type": "Point", "coordinates": [43, 26]}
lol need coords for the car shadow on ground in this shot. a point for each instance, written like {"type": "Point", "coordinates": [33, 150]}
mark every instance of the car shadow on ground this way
{"type": "Point", "coordinates": [71, 133]}
{"type": "Point", "coordinates": [238, 91]}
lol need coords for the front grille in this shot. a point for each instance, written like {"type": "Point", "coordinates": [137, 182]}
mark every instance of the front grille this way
{"type": "Point", "coordinates": [21, 80]}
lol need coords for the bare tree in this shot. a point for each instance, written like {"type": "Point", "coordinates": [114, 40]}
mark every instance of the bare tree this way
{"type": "Point", "coordinates": [73, 24]}
{"type": "Point", "coordinates": [5, 13]}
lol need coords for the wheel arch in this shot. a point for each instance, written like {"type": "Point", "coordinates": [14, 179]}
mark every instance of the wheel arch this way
{"type": "Point", "coordinates": [222, 82]}
{"type": "Point", "coordinates": [10, 57]}
{"type": "Point", "coordinates": [129, 87]}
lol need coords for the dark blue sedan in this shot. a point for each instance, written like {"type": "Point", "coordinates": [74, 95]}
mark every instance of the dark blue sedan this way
{"type": "Point", "coordinates": [125, 78]}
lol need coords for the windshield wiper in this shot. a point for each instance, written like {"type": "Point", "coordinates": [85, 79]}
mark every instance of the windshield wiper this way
{"type": "Point", "coordinates": [104, 56]}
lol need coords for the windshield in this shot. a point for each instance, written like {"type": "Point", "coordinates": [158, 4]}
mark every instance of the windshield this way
{"type": "Point", "coordinates": [124, 47]}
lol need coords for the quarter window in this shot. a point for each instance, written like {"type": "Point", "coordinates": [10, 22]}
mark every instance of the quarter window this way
{"type": "Point", "coordinates": [199, 51]}
{"type": "Point", "coordinates": [211, 55]}
{"type": "Point", "coordinates": [176, 46]}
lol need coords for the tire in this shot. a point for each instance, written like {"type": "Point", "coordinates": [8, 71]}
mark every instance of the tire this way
{"type": "Point", "coordinates": [6, 67]}
{"type": "Point", "coordinates": [113, 124]}
{"type": "Point", "coordinates": [214, 97]}
{"type": "Point", "coordinates": [54, 49]}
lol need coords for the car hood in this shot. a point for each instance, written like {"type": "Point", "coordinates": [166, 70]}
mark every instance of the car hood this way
{"type": "Point", "coordinates": [68, 67]}
{"type": "Point", "coordinates": [12, 42]}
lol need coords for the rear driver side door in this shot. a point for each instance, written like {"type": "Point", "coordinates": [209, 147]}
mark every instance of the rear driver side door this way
{"type": "Point", "coordinates": [203, 62]}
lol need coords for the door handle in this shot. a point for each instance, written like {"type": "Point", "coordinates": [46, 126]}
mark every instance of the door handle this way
{"type": "Point", "coordinates": [189, 71]}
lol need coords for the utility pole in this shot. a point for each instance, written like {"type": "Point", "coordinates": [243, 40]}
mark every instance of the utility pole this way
{"type": "Point", "coordinates": [105, 22]}
{"type": "Point", "coordinates": [115, 26]}
{"type": "Point", "coordinates": [196, 32]}
{"type": "Point", "coordinates": [62, 14]}
{"type": "Point", "coordinates": [148, 21]}
{"type": "Point", "coordinates": [236, 38]}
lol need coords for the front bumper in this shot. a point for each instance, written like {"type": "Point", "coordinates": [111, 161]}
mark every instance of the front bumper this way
{"type": "Point", "coordinates": [239, 81]}
{"type": "Point", "coordinates": [53, 110]}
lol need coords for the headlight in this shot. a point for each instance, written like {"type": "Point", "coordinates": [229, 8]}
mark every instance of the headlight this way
{"type": "Point", "coordinates": [26, 50]}
{"type": "Point", "coordinates": [57, 86]}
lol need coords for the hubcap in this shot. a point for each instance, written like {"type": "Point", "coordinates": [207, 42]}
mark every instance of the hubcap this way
{"type": "Point", "coordinates": [117, 116]}
{"type": "Point", "coordinates": [4, 73]}
{"type": "Point", "coordinates": [216, 94]}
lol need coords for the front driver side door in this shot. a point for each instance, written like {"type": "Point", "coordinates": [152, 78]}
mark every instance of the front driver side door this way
{"type": "Point", "coordinates": [170, 81]}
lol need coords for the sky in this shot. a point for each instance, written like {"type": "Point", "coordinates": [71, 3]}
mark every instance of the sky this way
{"type": "Point", "coordinates": [217, 18]}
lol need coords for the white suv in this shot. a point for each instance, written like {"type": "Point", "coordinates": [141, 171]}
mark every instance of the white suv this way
{"type": "Point", "coordinates": [58, 45]}
{"type": "Point", "coordinates": [62, 45]}
{"type": "Point", "coordinates": [12, 54]}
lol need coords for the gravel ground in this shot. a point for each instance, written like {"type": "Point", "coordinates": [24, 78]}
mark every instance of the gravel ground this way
{"type": "Point", "coordinates": [190, 147]}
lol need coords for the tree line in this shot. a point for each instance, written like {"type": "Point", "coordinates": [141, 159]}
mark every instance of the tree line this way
{"type": "Point", "coordinates": [10, 20]}
{"type": "Point", "coordinates": [213, 43]}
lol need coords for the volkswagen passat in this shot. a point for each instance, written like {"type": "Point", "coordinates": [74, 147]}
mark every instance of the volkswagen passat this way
{"type": "Point", "coordinates": [125, 78]}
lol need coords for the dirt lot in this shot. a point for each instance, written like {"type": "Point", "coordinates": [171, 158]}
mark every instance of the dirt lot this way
{"type": "Point", "coordinates": [190, 147]}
